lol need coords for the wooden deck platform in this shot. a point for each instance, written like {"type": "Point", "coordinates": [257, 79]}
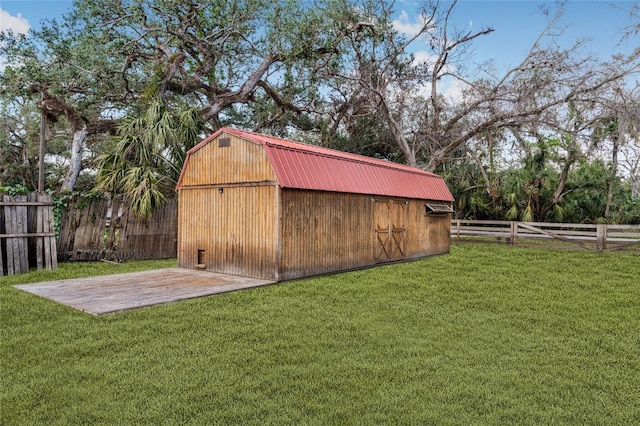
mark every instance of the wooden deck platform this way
{"type": "Point", "coordinates": [113, 293]}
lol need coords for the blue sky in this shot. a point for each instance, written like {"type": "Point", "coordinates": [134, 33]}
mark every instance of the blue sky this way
{"type": "Point", "coordinates": [516, 23]}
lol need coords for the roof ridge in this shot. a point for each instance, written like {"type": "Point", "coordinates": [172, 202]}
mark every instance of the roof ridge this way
{"type": "Point", "coordinates": [334, 153]}
{"type": "Point", "coordinates": [357, 158]}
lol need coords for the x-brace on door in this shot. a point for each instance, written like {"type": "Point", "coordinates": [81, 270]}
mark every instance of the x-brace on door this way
{"type": "Point", "coordinates": [390, 218]}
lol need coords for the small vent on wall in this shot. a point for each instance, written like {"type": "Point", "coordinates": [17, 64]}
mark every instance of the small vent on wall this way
{"type": "Point", "coordinates": [224, 142]}
{"type": "Point", "coordinates": [201, 264]}
{"type": "Point", "coordinates": [437, 209]}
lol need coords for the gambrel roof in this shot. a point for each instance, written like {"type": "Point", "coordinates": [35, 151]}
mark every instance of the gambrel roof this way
{"type": "Point", "coordinates": [303, 166]}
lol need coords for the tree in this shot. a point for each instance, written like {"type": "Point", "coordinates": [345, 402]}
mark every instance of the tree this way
{"type": "Point", "coordinates": [65, 71]}
{"type": "Point", "coordinates": [617, 123]}
{"type": "Point", "coordinates": [222, 54]}
{"type": "Point", "coordinates": [18, 144]}
{"type": "Point", "coordinates": [429, 127]}
{"type": "Point", "coordinates": [148, 154]}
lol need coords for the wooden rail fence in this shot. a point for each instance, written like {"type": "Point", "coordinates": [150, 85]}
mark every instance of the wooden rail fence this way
{"type": "Point", "coordinates": [599, 237]}
{"type": "Point", "coordinates": [27, 233]}
{"type": "Point", "coordinates": [107, 229]}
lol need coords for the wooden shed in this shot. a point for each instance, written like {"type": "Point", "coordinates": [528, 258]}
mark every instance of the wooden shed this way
{"type": "Point", "coordinates": [263, 207]}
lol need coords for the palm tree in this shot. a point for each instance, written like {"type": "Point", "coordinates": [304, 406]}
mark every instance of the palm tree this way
{"type": "Point", "coordinates": [148, 154]}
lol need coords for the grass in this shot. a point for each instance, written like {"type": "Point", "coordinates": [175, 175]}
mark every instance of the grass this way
{"type": "Point", "coordinates": [485, 335]}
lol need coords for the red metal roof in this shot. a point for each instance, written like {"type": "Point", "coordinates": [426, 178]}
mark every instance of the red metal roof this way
{"type": "Point", "coordinates": [302, 166]}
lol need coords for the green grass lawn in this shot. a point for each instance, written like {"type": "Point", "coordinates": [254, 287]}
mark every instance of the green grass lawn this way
{"type": "Point", "coordinates": [485, 335]}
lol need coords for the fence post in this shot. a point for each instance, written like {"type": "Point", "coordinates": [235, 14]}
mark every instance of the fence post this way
{"type": "Point", "coordinates": [514, 233]}
{"type": "Point", "coordinates": [601, 237]}
{"type": "Point", "coordinates": [458, 230]}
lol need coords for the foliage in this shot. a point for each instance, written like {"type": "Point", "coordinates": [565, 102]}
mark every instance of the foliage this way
{"type": "Point", "coordinates": [514, 336]}
{"type": "Point", "coordinates": [148, 155]}
{"type": "Point", "coordinates": [527, 194]}
{"type": "Point", "coordinates": [60, 204]}
{"type": "Point", "coordinates": [512, 143]}
{"type": "Point", "coordinates": [15, 190]}
{"type": "Point", "coordinates": [67, 72]}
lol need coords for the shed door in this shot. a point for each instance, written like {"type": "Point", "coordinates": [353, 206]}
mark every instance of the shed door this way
{"type": "Point", "coordinates": [390, 229]}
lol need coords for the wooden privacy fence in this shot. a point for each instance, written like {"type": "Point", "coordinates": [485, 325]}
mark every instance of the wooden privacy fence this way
{"type": "Point", "coordinates": [600, 237]}
{"type": "Point", "coordinates": [107, 229]}
{"type": "Point", "coordinates": [27, 234]}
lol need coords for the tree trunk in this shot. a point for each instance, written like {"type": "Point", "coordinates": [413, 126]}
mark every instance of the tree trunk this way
{"type": "Point", "coordinates": [75, 163]}
{"type": "Point", "coordinates": [564, 174]}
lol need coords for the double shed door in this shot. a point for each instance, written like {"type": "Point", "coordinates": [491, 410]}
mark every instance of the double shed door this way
{"type": "Point", "coordinates": [390, 218]}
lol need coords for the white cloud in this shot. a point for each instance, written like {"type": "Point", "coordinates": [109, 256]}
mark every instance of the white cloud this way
{"type": "Point", "coordinates": [404, 25]}
{"type": "Point", "coordinates": [447, 86]}
{"type": "Point", "coordinates": [17, 24]}
{"type": "Point", "coordinates": [454, 91]}
{"type": "Point", "coordinates": [422, 57]}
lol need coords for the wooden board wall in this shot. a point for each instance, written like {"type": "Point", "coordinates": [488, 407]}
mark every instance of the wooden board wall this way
{"type": "Point", "coordinates": [439, 234]}
{"type": "Point", "coordinates": [325, 232]}
{"type": "Point", "coordinates": [27, 233]}
{"type": "Point", "coordinates": [235, 229]}
{"type": "Point", "coordinates": [239, 162]}
{"type": "Point", "coordinates": [101, 229]}
{"type": "Point", "coordinates": [152, 237]}
{"type": "Point", "coordinates": [431, 236]}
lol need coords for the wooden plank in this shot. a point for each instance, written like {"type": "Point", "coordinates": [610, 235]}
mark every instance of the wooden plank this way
{"type": "Point", "coordinates": [50, 254]}
{"type": "Point", "coordinates": [28, 234]}
{"type": "Point", "coordinates": [500, 233]}
{"type": "Point", "coordinates": [629, 235]}
{"type": "Point", "coordinates": [25, 203]}
{"type": "Point", "coordinates": [483, 222]}
{"type": "Point", "coordinates": [39, 240]}
{"type": "Point", "coordinates": [635, 228]}
{"type": "Point", "coordinates": [49, 225]}
{"type": "Point", "coordinates": [585, 236]}
{"type": "Point", "coordinates": [23, 241]}
{"type": "Point", "coordinates": [560, 225]}
{"type": "Point", "coordinates": [16, 222]}
{"type": "Point", "coordinates": [113, 293]}
{"type": "Point", "coordinates": [9, 228]}
{"type": "Point", "coordinates": [13, 226]}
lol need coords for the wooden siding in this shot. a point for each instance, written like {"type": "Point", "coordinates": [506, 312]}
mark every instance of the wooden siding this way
{"type": "Point", "coordinates": [235, 230]}
{"type": "Point", "coordinates": [326, 232]}
{"type": "Point", "coordinates": [438, 234]}
{"type": "Point", "coordinates": [240, 162]}
{"type": "Point", "coordinates": [430, 234]}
